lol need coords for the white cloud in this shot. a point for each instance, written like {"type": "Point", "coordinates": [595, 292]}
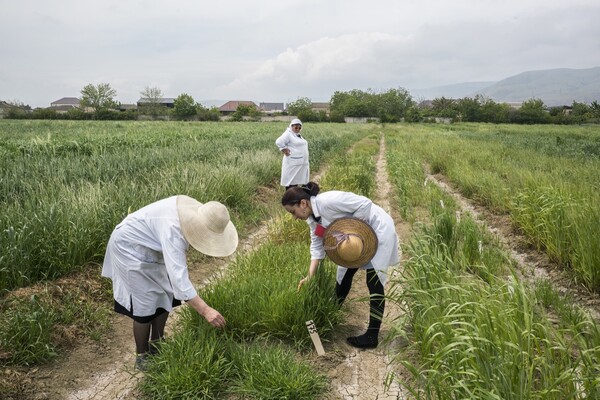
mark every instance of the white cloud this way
{"type": "Point", "coordinates": [322, 65]}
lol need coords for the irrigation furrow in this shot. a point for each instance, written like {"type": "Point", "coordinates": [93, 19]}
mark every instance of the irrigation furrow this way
{"type": "Point", "coordinates": [533, 265]}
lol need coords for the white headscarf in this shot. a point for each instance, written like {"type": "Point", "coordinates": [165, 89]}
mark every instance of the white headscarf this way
{"type": "Point", "coordinates": [295, 121]}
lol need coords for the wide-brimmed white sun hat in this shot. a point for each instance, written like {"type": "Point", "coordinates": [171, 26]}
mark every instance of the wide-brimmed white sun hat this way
{"type": "Point", "coordinates": [207, 227]}
{"type": "Point", "coordinates": [350, 242]}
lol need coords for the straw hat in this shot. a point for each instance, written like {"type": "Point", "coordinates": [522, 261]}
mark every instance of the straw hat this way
{"type": "Point", "coordinates": [350, 242]}
{"type": "Point", "coordinates": [207, 227]}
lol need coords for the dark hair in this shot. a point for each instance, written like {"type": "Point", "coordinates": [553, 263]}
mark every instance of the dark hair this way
{"type": "Point", "coordinates": [294, 194]}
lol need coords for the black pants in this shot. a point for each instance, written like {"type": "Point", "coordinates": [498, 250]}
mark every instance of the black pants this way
{"type": "Point", "coordinates": [376, 294]}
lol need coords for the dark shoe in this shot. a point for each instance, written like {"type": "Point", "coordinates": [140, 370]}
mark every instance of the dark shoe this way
{"type": "Point", "coordinates": [363, 341]}
{"type": "Point", "coordinates": [141, 362]}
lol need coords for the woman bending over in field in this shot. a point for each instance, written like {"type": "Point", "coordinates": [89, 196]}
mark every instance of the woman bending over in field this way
{"type": "Point", "coordinates": [146, 260]}
{"type": "Point", "coordinates": [354, 233]}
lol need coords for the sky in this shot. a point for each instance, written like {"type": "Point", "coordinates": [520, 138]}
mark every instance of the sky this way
{"type": "Point", "coordinates": [279, 51]}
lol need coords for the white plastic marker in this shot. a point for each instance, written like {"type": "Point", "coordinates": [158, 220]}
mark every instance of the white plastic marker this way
{"type": "Point", "coordinates": [312, 329]}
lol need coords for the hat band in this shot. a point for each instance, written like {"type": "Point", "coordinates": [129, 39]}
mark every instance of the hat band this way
{"type": "Point", "coordinates": [339, 238]}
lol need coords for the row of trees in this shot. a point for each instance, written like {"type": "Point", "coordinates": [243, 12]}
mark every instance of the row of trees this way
{"type": "Point", "coordinates": [532, 111]}
{"type": "Point", "coordinates": [392, 105]}
{"type": "Point", "coordinates": [98, 102]}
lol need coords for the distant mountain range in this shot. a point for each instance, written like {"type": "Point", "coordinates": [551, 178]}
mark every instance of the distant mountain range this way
{"type": "Point", "coordinates": [554, 87]}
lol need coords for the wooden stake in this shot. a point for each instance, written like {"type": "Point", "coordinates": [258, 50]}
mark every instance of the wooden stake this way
{"type": "Point", "coordinates": [312, 329]}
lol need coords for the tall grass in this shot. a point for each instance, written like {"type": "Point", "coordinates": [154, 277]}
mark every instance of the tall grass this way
{"type": "Point", "coordinates": [474, 329]}
{"type": "Point", "coordinates": [64, 185]}
{"type": "Point", "coordinates": [547, 178]}
{"type": "Point", "coordinates": [205, 364]}
{"type": "Point", "coordinates": [478, 336]}
{"type": "Point", "coordinates": [259, 296]}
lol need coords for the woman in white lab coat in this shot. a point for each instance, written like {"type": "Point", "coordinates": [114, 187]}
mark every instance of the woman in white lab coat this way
{"type": "Point", "coordinates": [321, 210]}
{"type": "Point", "coordinates": [295, 164]}
{"type": "Point", "coordinates": [146, 261]}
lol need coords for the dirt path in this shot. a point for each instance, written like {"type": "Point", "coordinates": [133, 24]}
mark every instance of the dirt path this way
{"type": "Point", "coordinates": [361, 374]}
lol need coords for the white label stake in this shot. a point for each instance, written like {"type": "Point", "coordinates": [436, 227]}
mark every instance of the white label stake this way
{"type": "Point", "coordinates": [312, 329]}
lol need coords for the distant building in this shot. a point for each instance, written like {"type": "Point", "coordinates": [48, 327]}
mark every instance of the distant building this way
{"type": "Point", "coordinates": [168, 102]}
{"type": "Point", "coordinates": [231, 106]}
{"type": "Point", "coordinates": [271, 108]}
{"type": "Point", "coordinates": [317, 107]}
{"type": "Point", "coordinates": [66, 103]}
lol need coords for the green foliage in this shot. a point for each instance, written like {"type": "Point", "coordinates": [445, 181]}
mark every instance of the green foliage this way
{"type": "Point", "coordinates": [389, 106]}
{"type": "Point", "coordinates": [185, 106]}
{"type": "Point", "coordinates": [303, 105]}
{"type": "Point", "coordinates": [33, 328]}
{"type": "Point", "coordinates": [532, 111]}
{"type": "Point", "coordinates": [245, 110]}
{"type": "Point", "coordinates": [273, 372]}
{"type": "Point", "coordinates": [193, 365]}
{"type": "Point", "coordinates": [100, 97]}
{"type": "Point", "coordinates": [484, 338]}
{"type": "Point", "coordinates": [259, 296]}
{"type": "Point", "coordinates": [212, 114]}
{"type": "Point", "coordinates": [203, 363]}
{"type": "Point", "coordinates": [546, 179]}
{"type": "Point", "coordinates": [25, 332]}
{"type": "Point", "coordinates": [64, 185]}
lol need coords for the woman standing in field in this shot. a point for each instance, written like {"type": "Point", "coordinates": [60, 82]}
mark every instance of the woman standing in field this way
{"type": "Point", "coordinates": [146, 260]}
{"type": "Point", "coordinates": [295, 165]}
{"type": "Point", "coordinates": [354, 233]}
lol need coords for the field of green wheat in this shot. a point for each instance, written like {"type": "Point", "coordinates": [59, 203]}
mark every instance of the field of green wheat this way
{"type": "Point", "coordinates": [474, 329]}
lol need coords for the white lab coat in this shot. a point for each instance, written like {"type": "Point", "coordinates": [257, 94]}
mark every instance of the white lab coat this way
{"type": "Point", "coordinates": [333, 205]}
{"type": "Point", "coordinates": [295, 167]}
{"type": "Point", "coordinates": [146, 259]}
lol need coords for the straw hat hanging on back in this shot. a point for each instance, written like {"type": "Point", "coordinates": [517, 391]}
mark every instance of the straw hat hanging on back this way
{"type": "Point", "coordinates": [350, 242]}
{"type": "Point", "coordinates": [207, 227]}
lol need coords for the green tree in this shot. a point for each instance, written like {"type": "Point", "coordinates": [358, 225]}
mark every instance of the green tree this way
{"type": "Point", "coordinates": [185, 106]}
{"type": "Point", "coordinates": [245, 110]}
{"type": "Point", "coordinates": [469, 109]}
{"type": "Point", "coordinates": [205, 114]}
{"type": "Point", "coordinates": [491, 111]}
{"type": "Point", "coordinates": [302, 108]}
{"type": "Point", "coordinates": [443, 107]}
{"type": "Point", "coordinates": [100, 97]}
{"type": "Point", "coordinates": [413, 114]}
{"type": "Point", "coordinates": [581, 110]}
{"type": "Point", "coordinates": [300, 105]}
{"type": "Point", "coordinates": [392, 105]}
{"type": "Point", "coordinates": [532, 111]}
{"type": "Point", "coordinates": [595, 109]}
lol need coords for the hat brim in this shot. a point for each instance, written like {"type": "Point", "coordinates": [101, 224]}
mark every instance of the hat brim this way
{"type": "Point", "coordinates": [353, 226]}
{"type": "Point", "coordinates": [198, 229]}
